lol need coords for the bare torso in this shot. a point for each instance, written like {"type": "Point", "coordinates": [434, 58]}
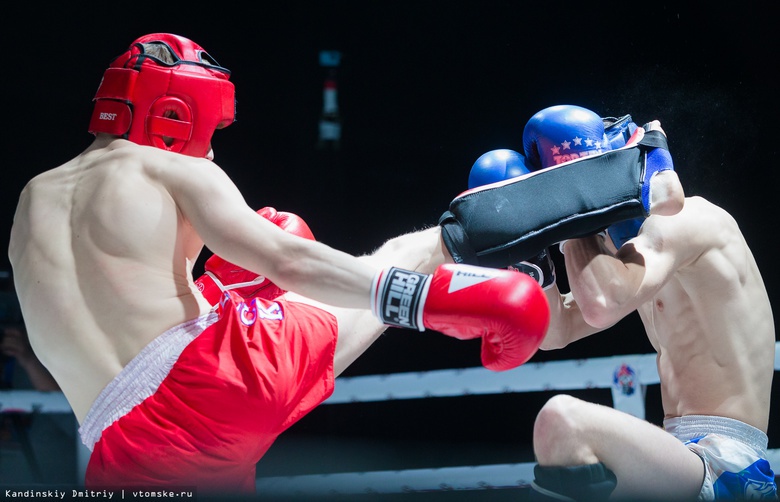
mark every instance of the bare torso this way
{"type": "Point", "coordinates": [102, 260]}
{"type": "Point", "coordinates": [711, 322]}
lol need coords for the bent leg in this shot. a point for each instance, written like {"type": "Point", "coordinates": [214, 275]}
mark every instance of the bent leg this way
{"type": "Point", "coordinates": [358, 329]}
{"type": "Point", "coordinates": [649, 462]}
{"type": "Point", "coordinates": [421, 251]}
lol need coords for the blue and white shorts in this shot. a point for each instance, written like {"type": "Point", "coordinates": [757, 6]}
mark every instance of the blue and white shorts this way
{"type": "Point", "coordinates": [734, 456]}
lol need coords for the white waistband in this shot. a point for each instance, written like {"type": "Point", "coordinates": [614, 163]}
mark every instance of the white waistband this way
{"type": "Point", "coordinates": [689, 427]}
{"type": "Point", "coordinates": [140, 378]}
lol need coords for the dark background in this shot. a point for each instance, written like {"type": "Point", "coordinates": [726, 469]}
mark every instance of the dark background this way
{"type": "Point", "coordinates": [424, 89]}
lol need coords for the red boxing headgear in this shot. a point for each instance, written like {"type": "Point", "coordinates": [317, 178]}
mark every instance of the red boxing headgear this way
{"type": "Point", "coordinates": [145, 99]}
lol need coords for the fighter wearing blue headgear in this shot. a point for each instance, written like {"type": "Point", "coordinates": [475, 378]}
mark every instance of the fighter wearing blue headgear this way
{"type": "Point", "coordinates": [699, 293]}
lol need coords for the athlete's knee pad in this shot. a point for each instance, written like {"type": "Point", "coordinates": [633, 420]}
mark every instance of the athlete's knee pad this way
{"type": "Point", "coordinates": [590, 482]}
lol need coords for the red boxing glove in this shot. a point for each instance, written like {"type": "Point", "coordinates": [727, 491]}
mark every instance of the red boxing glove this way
{"type": "Point", "coordinates": [506, 308]}
{"type": "Point", "coordinates": [222, 275]}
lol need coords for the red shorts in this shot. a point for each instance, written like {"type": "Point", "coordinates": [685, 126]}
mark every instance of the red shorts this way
{"type": "Point", "coordinates": [200, 407]}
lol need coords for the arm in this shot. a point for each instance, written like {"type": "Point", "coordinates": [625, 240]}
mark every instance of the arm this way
{"type": "Point", "coordinates": [213, 205]}
{"type": "Point", "coordinates": [453, 300]}
{"type": "Point", "coordinates": [567, 324]}
{"type": "Point", "coordinates": [608, 284]}
{"type": "Point", "coordinates": [422, 251]}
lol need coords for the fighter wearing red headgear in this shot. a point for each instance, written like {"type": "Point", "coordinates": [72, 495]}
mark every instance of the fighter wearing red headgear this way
{"type": "Point", "coordinates": [172, 98]}
{"type": "Point", "coordinates": [169, 389]}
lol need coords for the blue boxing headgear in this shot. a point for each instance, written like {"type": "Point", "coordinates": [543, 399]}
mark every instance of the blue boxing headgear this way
{"type": "Point", "coordinates": [497, 165]}
{"type": "Point", "coordinates": [563, 133]}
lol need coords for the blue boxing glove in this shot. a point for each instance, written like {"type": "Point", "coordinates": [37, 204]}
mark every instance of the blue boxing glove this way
{"type": "Point", "coordinates": [562, 133]}
{"type": "Point", "coordinates": [565, 132]}
{"type": "Point", "coordinates": [497, 165]}
{"type": "Point", "coordinates": [500, 165]}
{"type": "Point", "coordinates": [618, 130]}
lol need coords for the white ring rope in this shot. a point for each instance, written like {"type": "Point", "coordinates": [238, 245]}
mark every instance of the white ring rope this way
{"type": "Point", "coordinates": [556, 375]}
{"type": "Point", "coordinates": [478, 477]}
{"type": "Point", "coordinates": [635, 372]}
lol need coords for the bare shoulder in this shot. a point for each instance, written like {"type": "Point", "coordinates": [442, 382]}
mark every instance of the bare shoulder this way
{"type": "Point", "coordinates": [201, 190]}
{"type": "Point", "coordinates": [684, 236]}
{"type": "Point", "coordinates": [47, 187]}
{"type": "Point", "coordinates": [182, 173]}
{"type": "Point", "coordinates": [695, 219]}
{"type": "Point", "coordinates": [708, 218]}
{"type": "Point", "coordinates": [701, 227]}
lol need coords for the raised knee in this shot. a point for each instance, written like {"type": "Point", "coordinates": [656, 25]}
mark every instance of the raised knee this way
{"type": "Point", "coordinates": [556, 427]}
{"type": "Point", "coordinates": [556, 413]}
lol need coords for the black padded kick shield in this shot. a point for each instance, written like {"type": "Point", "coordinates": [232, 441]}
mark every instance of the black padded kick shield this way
{"type": "Point", "coordinates": [511, 221]}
